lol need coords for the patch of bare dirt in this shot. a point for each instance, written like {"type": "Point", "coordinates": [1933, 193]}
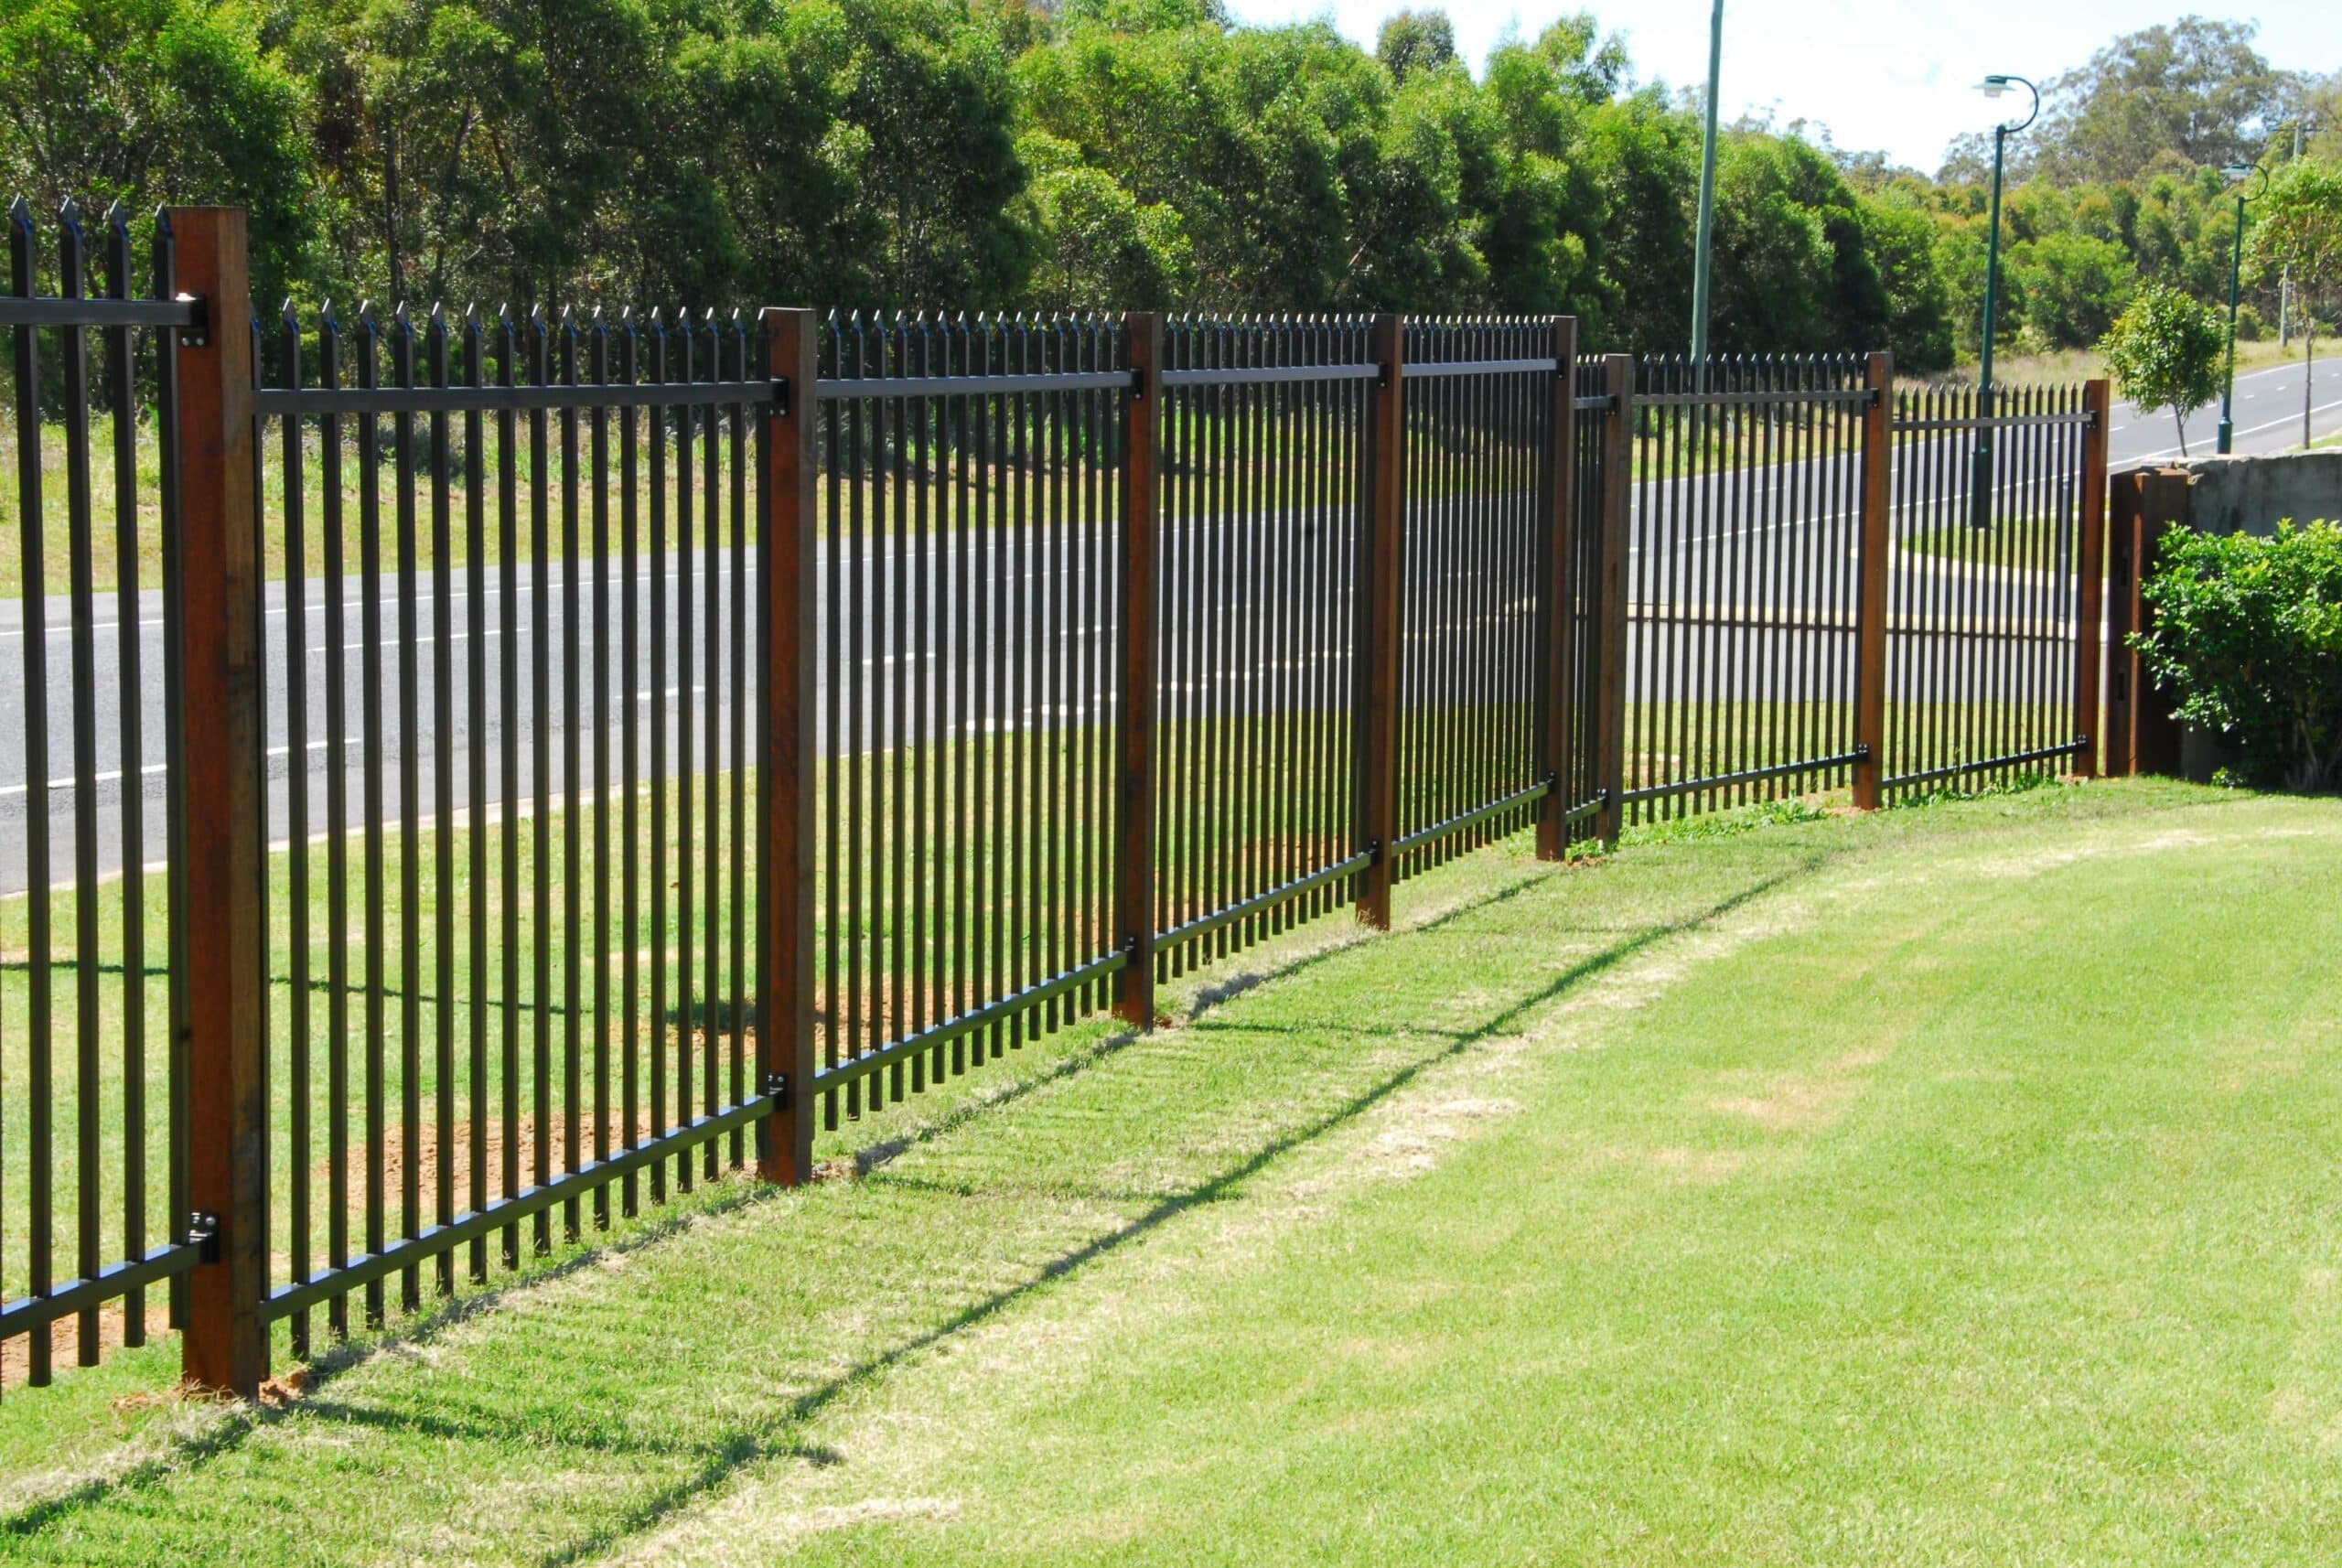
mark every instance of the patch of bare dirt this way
{"type": "Point", "coordinates": [65, 1337]}
{"type": "Point", "coordinates": [1799, 1103]}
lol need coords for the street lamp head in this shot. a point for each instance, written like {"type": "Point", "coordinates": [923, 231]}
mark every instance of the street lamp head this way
{"type": "Point", "coordinates": [1998, 83]}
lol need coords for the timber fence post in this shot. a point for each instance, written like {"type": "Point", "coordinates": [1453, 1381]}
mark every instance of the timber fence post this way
{"type": "Point", "coordinates": [1135, 673]}
{"type": "Point", "coordinates": [787, 761]}
{"type": "Point", "coordinates": [1381, 560]}
{"type": "Point", "coordinates": [1870, 603]}
{"type": "Point", "coordinates": [1610, 605]}
{"type": "Point", "coordinates": [225, 880]}
{"type": "Point", "coordinates": [2089, 608]}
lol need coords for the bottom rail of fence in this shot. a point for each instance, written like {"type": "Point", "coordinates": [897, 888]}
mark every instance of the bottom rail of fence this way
{"type": "Point", "coordinates": [967, 1023]}
{"type": "Point", "coordinates": [30, 1314]}
{"type": "Point", "coordinates": [1986, 764]}
{"type": "Point", "coordinates": [1473, 818]}
{"type": "Point", "coordinates": [1747, 776]}
{"type": "Point", "coordinates": [1204, 925]}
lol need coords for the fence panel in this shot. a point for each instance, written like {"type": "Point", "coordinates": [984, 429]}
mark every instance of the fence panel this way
{"type": "Point", "coordinates": [93, 1208]}
{"type": "Point", "coordinates": [1741, 584]}
{"type": "Point", "coordinates": [1985, 594]}
{"type": "Point", "coordinates": [1481, 444]}
{"type": "Point", "coordinates": [967, 722]}
{"type": "Point", "coordinates": [1262, 455]}
{"type": "Point", "coordinates": [513, 849]}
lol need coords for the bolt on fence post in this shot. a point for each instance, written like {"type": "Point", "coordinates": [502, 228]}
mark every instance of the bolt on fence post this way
{"type": "Point", "coordinates": [1556, 587]}
{"type": "Point", "coordinates": [1870, 603]}
{"type": "Point", "coordinates": [2089, 611]}
{"type": "Point", "coordinates": [224, 916]}
{"type": "Point", "coordinates": [1134, 675]}
{"type": "Point", "coordinates": [1380, 554]}
{"type": "Point", "coordinates": [1610, 604]}
{"type": "Point", "coordinates": [787, 762]}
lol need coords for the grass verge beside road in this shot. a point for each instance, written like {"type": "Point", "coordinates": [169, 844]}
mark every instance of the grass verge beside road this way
{"type": "Point", "coordinates": [1947, 1185]}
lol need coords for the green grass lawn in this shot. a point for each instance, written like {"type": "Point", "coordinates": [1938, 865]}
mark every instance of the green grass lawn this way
{"type": "Point", "coordinates": [2036, 544]}
{"type": "Point", "coordinates": [1953, 1185]}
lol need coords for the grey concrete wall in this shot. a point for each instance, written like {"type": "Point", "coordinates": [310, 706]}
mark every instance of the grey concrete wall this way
{"type": "Point", "coordinates": [2255, 494]}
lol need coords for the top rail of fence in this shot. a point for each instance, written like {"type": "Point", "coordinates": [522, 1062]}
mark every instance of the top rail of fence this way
{"type": "Point", "coordinates": [42, 311]}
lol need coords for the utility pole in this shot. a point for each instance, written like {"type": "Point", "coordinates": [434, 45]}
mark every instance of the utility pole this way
{"type": "Point", "coordinates": [2286, 277]}
{"type": "Point", "coordinates": [1707, 200]}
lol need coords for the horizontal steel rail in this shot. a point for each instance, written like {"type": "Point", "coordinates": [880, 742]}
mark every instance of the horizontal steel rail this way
{"type": "Point", "coordinates": [1753, 398]}
{"type": "Point", "coordinates": [1432, 370]}
{"type": "Point", "coordinates": [45, 310]}
{"type": "Point", "coordinates": [289, 401]}
{"type": "Point", "coordinates": [1270, 375]}
{"type": "Point", "coordinates": [1748, 775]}
{"type": "Point", "coordinates": [1260, 903]}
{"type": "Point", "coordinates": [1586, 809]}
{"type": "Point", "coordinates": [849, 388]}
{"type": "Point", "coordinates": [1984, 765]}
{"type": "Point", "coordinates": [28, 1313]}
{"type": "Point", "coordinates": [1596, 403]}
{"type": "Point", "coordinates": [1999, 422]}
{"type": "Point", "coordinates": [438, 1239]}
{"type": "Point", "coordinates": [966, 1023]}
{"type": "Point", "coordinates": [1473, 818]}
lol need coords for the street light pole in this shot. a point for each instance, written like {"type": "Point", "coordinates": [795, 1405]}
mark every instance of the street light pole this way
{"type": "Point", "coordinates": [1707, 198]}
{"type": "Point", "coordinates": [2243, 175]}
{"type": "Point", "coordinates": [1980, 476]}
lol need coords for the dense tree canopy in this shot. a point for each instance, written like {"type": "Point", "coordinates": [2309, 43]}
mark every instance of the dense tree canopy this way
{"type": "Point", "coordinates": [987, 153]}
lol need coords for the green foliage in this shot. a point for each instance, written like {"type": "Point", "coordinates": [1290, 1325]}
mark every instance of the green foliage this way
{"type": "Point", "coordinates": [2197, 89]}
{"type": "Point", "coordinates": [150, 101]}
{"type": "Point", "coordinates": [2167, 352]}
{"type": "Point", "coordinates": [2072, 287]}
{"type": "Point", "coordinates": [2247, 633]}
{"type": "Point", "coordinates": [1099, 247]}
{"type": "Point", "coordinates": [998, 153]}
{"type": "Point", "coordinates": [1415, 40]}
{"type": "Point", "coordinates": [2299, 226]}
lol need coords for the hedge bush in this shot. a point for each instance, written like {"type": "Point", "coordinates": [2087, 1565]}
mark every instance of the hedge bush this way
{"type": "Point", "coordinates": [2248, 637]}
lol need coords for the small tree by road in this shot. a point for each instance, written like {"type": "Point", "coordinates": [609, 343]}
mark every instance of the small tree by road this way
{"type": "Point", "coordinates": [2300, 229]}
{"type": "Point", "coordinates": [2163, 351]}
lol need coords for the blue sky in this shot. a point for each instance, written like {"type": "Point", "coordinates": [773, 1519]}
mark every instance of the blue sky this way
{"type": "Point", "coordinates": [1897, 75]}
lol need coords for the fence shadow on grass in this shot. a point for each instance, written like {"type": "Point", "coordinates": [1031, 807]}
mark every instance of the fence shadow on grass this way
{"type": "Point", "coordinates": [744, 1449]}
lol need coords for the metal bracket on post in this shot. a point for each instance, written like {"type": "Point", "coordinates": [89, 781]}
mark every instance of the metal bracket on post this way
{"type": "Point", "coordinates": [195, 334]}
{"type": "Point", "coordinates": [203, 1235]}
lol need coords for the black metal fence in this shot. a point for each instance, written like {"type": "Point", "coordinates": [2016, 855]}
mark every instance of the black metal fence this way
{"type": "Point", "coordinates": [595, 750]}
{"type": "Point", "coordinates": [1994, 611]}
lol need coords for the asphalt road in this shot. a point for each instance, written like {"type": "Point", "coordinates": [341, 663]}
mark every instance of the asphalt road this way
{"type": "Point", "coordinates": [1786, 518]}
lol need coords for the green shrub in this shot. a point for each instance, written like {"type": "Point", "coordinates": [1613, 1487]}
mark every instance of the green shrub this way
{"type": "Point", "coordinates": [2248, 637]}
